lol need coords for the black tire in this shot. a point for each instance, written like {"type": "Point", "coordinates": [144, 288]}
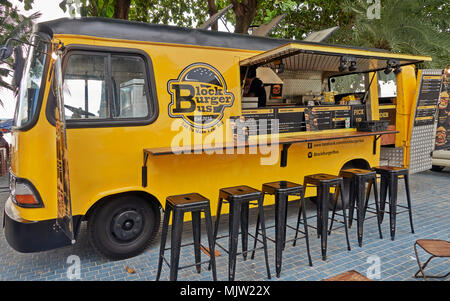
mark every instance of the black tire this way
{"type": "Point", "coordinates": [123, 227]}
{"type": "Point", "coordinates": [437, 168]}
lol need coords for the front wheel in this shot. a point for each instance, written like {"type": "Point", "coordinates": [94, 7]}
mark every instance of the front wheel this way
{"type": "Point", "coordinates": [123, 227]}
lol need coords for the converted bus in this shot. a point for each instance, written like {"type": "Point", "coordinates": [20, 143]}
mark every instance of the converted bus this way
{"type": "Point", "coordinates": [152, 110]}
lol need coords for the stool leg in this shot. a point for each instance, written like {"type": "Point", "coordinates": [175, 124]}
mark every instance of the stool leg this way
{"type": "Point", "coordinates": [299, 217]}
{"type": "Point", "coordinates": [280, 210]}
{"type": "Point", "coordinates": [209, 232]}
{"type": "Point", "coordinates": [305, 225]}
{"type": "Point", "coordinates": [325, 192]}
{"type": "Point", "coordinates": [408, 198]}
{"type": "Point", "coordinates": [263, 229]}
{"type": "Point", "coordinates": [235, 213]}
{"type": "Point", "coordinates": [216, 224]}
{"type": "Point", "coordinates": [163, 240]}
{"type": "Point", "coordinates": [351, 202]}
{"type": "Point", "coordinates": [177, 229]}
{"type": "Point", "coordinates": [336, 195]}
{"type": "Point", "coordinates": [369, 189]}
{"type": "Point", "coordinates": [256, 231]}
{"type": "Point", "coordinates": [319, 210]}
{"type": "Point", "coordinates": [377, 205]}
{"type": "Point", "coordinates": [360, 192]}
{"type": "Point", "coordinates": [244, 228]}
{"type": "Point", "coordinates": [383, 194]}
{"type": "Point", "coordinates": [196, 231]}
{"type": "Point", "coordinates": [393, 186]}
{"type": "Point", "coordinates": [345, 216]}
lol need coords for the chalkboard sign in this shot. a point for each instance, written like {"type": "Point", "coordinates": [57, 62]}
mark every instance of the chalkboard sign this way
{"type": "Point", "coordinates": [291, 120]}
{"type": "Point", "coordinates": [428, 99]}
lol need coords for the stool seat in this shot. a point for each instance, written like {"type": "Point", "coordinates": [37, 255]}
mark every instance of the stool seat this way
{"type": "Point", "coordinates": [187, 200]}
{"type": "Point", "coordinates": [281, 187]}
{"type": "Point", "coordinates": [351, 172]}
{"type": "Point", "coordinates": [282, 190]}
{"type": "Point", "coordinates": [389, 182]}
{"type": "Point", "coordinates": [390, 169]}
{"type": "Point", "coordinates": [239, 199]}
{"type": "Point", "coordinates": [177, 206]}
{"type": "Point", "coordinates": [324, 182]}
{"type": "Point", "coordinates": [357, 179]}
{"type": "Point", "coordinates": [239, 192]}
{"type": "Point", "coordinates": [323, 178]}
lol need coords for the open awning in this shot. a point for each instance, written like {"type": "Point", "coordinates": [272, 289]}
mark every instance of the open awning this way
{"type": "Point", "coordinates": [313, 57]}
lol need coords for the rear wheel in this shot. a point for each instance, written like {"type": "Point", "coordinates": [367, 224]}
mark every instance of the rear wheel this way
{"type": "Point", "coordinates": [123, 227]}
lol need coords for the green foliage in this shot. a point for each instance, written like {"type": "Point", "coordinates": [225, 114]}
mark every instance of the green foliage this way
{"type": "Point", "coordinates": [13, 25]}
{"type": "Point", "coordinates": [418, 27]}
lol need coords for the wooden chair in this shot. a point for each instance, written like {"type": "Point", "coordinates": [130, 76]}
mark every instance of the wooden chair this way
{"type": "Point", "coordinates": [434, 247]}
{"type": "Point", "coordinates": [349, 276]}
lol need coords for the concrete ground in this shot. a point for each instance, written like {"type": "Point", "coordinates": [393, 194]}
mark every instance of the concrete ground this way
{"type": "Point", "coordinates": [381, 259]}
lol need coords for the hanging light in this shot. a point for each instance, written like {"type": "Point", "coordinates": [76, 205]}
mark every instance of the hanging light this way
{"type": "Point", "coordinates": [353, 66]}
{"type": "Point", "coordinates": [279, 67]}
{"type": "Point", "coordinates": [344, 64]}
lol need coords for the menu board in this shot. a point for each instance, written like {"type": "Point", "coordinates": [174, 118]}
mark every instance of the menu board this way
{"type": "Point", "coordinates": [291, 120]}
{"type": "Point", "coordinates": [318, 118]}
{"type": "Point", "coordinates": [295, 119]}
{"type": "Point", "coordinates": [443, 126]}
{"type": "Point", "coordinates": [427, 101]}
{"type": "Point", "coordinates": [342, 117]}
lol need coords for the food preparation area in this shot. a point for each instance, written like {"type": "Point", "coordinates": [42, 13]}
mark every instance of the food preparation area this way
{"type": "Point", "coordinates": [430, 193]}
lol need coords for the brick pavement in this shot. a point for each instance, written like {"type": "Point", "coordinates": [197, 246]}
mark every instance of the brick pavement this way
{"type": "Point", "coordinates": [431, 212]}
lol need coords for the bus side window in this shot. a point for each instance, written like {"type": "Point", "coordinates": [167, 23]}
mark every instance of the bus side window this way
{"type": "Point", "coordinates": [84, 87]}
{"type": "Point", "coordinates": [105, 86]}
{"type": "Point", "coordinates": [128, 84]}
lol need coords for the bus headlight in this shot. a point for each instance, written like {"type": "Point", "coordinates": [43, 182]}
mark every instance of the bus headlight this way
{"type": "Point", "coordinates": [23, 193]}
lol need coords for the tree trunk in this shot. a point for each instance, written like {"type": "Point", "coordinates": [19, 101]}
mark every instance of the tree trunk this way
{"type": "Point", "coordinates": [121, 9]}
{"type": "Point", "coordinates": [212, 9]}
{"type": "Point", "coordinates": [245, 12]}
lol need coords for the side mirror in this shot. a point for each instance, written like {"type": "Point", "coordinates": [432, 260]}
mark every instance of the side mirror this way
{"type": "Point", "coordinates": [19, 63]}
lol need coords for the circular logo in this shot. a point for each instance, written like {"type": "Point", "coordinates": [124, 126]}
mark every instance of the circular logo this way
{"type": "Point", "coordinates": [199, 96]}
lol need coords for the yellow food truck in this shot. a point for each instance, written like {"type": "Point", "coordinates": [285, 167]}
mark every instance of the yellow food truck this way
{"type": "Point", "coordinates": [140, 111]}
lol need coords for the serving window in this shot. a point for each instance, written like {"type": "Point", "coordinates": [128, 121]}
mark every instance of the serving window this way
{"type": "Point", "coordinates": [311, 87]}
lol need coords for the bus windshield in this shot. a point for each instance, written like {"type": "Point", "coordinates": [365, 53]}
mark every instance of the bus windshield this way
{"type": "Point", "coordinates": [31, 83]}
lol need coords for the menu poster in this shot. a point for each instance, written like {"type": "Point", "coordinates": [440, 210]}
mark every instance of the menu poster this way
{"type": "Point", "coordinates": [428, 99]}
{"type": "Point", "coordinates": [311, 120]}
{"type": "Point", "coordinates": [443, 126]}
{"type": "Point", "coordinates": [276, 91]}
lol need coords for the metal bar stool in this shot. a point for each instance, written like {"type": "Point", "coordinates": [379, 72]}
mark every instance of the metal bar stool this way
{"type": "Point", "coordinates": [282, 190]}
{"type": "Point", "coordinates": [239, 198]}
{"type": "Point", "coordinates": [323, 183]}
{"type": "Point", "coordinates": [389, 182]}
{"type": "Point", "coordinates": [179, 205]}
{"type": "Point", "coordinates": [358, 194]}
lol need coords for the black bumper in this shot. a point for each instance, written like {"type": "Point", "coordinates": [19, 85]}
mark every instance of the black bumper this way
{"type": "Point", "coordinates": [27, 237]}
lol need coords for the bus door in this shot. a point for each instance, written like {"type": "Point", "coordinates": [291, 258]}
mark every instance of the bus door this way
{"type": "Point", "coordinates": [64, 220]}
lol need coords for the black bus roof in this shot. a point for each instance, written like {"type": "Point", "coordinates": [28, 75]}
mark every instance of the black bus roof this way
{"type": "Point", "coordinates": [139, 31]}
